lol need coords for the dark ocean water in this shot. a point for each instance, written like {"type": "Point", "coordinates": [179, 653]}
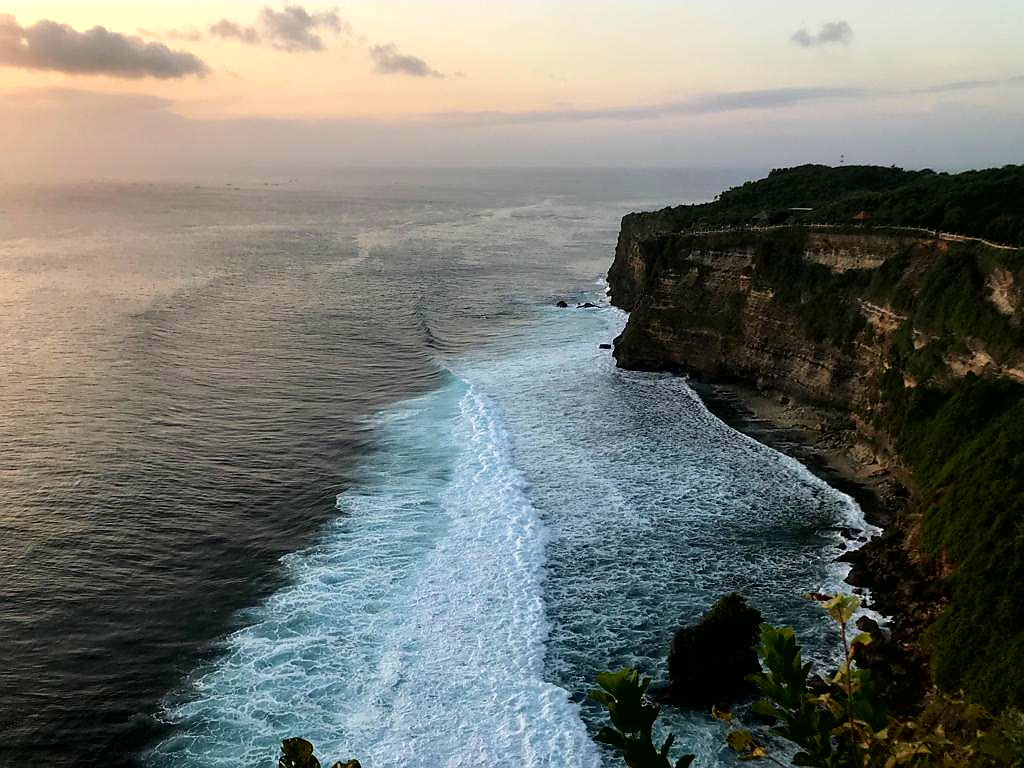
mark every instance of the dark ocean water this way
{"type": "Point", "coordinates": [315, 455]}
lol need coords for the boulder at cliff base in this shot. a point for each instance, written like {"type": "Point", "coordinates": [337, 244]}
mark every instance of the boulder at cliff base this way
{"type": "Point", "coordinates": [709, 662]}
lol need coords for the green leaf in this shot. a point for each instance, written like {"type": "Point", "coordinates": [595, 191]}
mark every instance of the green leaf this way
{"type": "Point", "coordinates": [765, 708]}
{"type": "Point", "coordinates": [611, 737]}
{"type": "Point", "coordinates": [721, 714]}
{"type": "Point", "coordinates": [861, 638]}
{"type": "Point", "coordinates": [667, 745]}
{"type": "Point", "coordinates": [739, 741]}
{"type": "Point", "coordinates": [842, 607]}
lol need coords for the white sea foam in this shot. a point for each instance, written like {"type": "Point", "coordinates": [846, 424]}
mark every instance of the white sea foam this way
{"type": "Point", "coordinates": [484, 573]}
{"type": "Point", "coordinates": [655, 509]}
{"type": "Point", "coordinates": [414, 635]}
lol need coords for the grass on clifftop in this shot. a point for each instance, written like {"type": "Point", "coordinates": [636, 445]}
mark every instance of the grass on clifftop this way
{"type": "Point", "coordinates": [987, 204]}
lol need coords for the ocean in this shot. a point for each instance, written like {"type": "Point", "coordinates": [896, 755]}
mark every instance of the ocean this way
{"type": "Point", "coordinates": [315, 453]}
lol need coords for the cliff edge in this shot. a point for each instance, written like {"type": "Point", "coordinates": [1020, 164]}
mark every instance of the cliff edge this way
{"type": "Point", "coordinates": [916, 341]}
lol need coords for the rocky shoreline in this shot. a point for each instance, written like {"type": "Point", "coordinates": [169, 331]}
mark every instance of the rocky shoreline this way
{"type": "Point", "coordinates": [902, 582]}
{"type": "Point", "coordinates": [823, 439]}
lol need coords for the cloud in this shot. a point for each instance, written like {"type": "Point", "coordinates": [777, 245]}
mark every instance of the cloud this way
{"type": "Point", "coordinates": [720, 103]}
{"type": "Point", "coordinates": [48, 45]}
{"type": "Point", "coordinates": [188, 34]}
{"type": "Point", "coordinates": [966, 85]}
{"type": "Point", "coordinates": [831, 32]}
{"type": "Point", "coordinates": [712, 103]}
{"type": "Point", "coordinates": [80, 102]}
{"type": "Point", "coordinates": [59, 133]}
{"type": "Point", "coordinates": [291, 29]}
{"type": "Point", "coordinates": [389, 61]}
{"type": "Point", "coordinates": [228, 30]}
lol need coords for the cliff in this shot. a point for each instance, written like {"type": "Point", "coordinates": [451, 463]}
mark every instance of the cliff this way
{"type": "Point", "coordinates": [915, 340]}
{"type": "Point", "coordinates": [813, 313]}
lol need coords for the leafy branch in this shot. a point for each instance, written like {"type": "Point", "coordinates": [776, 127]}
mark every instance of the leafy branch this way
{"type": "Point", "coordinates": [623, 695]}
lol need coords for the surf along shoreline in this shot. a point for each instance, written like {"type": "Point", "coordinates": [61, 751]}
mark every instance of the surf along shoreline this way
{"type": "Point", "coordinates": [898, 586]}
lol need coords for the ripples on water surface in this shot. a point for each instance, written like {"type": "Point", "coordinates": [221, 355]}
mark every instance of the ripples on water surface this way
{"type": "Point", "coordinates": [476, 511]}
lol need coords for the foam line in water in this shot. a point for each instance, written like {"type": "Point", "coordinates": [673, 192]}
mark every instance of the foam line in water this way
{"type": "Point", "coordinates": [654, 508]}
{"type": "Point", "coordinates": [414, 634]}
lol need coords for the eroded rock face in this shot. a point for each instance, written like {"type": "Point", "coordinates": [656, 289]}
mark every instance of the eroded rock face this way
{"type": "Point", "coordinates": [712, 305]}
{"type": "Point", "coordinates": [628, 273]}
{"type": "Point", "coordinates": [701, 309]}
{"type": "Point", "coordinates": [842, 252]}
{"type": "Point", "coordinates": [1005, 293]}
{"type": "Point", "coordinates": [709, 662]}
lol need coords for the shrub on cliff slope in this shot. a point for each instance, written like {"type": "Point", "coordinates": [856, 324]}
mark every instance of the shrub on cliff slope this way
{"type": "Point", "coordinates": [824, 300]}
{"type": "Point", "coordinates": [966, 446]}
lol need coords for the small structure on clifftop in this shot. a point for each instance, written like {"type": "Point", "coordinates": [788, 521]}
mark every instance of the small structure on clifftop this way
{"type": "Point", "coordinates": [708, 662]}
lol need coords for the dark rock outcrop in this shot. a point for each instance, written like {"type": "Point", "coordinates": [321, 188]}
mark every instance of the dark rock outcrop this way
{"type": "Point", "coordinates": [562, 305]}
{"type": "Point", "coordinates": [912, 596]}
{"type": "Point", "coordinates": [709, 662]}
{"type": "Point", "coordinates": [298, 753]}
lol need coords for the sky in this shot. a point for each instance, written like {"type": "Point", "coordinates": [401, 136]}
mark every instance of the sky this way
{"type": "Point", "coordinates": [100, 89]}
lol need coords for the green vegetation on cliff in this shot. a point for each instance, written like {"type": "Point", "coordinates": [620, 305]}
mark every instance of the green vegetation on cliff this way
{"type": "Point", "coordinates": [987, 204]}
{"type": "Point", "coordinates": [896, 339]}
{"type": "Point", "coordinates": [963, 437]}
{"type": "Point", "coordinates": [966, 446]}
{"type": "Point", "coordinates": [826, 301]}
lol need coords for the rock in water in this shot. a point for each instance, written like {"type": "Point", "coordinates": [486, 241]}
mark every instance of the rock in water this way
{"type": "Point", "coordinates": [708, 662]}
{"type": "Point", "coordinates": [586, 305]}
{"type": "Point", "coordinates": [297, 753]}
{"type": "Point", "coordinates": [604, 346]}
{"type": "Point", "coordinates": [562, 305]}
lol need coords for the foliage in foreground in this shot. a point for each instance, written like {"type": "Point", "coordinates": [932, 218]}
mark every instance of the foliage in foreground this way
{"type": "Point", "coordinates": [623, 695]}
{"type": "Point", "coordinates": [839, 727]}
{"type": "Point", "coordinates": [832, 724]}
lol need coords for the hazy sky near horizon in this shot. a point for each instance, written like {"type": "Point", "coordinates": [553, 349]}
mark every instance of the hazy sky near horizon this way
{"type": "Point", "coordinates": [142, 88]}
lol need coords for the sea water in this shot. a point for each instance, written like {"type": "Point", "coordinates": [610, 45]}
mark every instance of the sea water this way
{"type": "Point", "coordinates": [538, 518]}
{"type": "Point", "coordinates": [323, 458]}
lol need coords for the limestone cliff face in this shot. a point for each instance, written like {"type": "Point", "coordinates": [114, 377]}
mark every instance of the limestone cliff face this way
{"type": "Point", "coordinates": [629, 269]}
{"type": "Point", "coordinates": [814, 314]}
{"type": "Point", "coordinates": [914, 345]}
